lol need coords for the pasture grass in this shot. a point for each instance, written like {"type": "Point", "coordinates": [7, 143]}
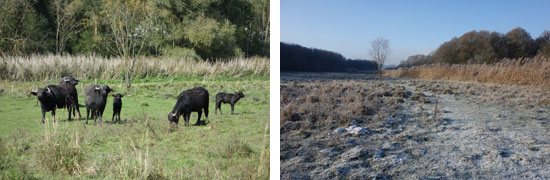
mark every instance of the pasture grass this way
{"type": "Point", "coordinates": [141, 147]}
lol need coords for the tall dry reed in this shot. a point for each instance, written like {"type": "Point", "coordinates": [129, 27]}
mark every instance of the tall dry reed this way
{"type": "Point", "coordinates": [525, 71]}
{"type": "Point", "coordinates": [51, 67]}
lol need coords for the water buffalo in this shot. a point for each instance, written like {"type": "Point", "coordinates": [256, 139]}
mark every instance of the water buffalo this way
{"type": "Point", "coordinates": [227, 98]}
{"type": "Point", "coordinates": [117, 106]}
{"type": "Point", "coordinates": [51, 98]}
{"type": "Point", "coordinates": [192, 100]}
{"type": "Point", "coordinates": [96, 99]}
{"type": "Point", "coordinates": [68, 84]}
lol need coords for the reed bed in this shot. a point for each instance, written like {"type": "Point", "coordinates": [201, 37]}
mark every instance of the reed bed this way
{"type": "Point", "coordinates": [51, 67]}
{"type": "Point", "coordinates": [524, 71]}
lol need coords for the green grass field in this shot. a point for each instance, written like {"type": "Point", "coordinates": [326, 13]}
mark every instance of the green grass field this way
{"type": "Point", "coordinates": [142, 147]}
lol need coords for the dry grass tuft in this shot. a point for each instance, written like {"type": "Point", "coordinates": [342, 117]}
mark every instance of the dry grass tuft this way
{"type": "Point", "coordinates": [51, 67]}
{"type": "Point", "coordinates": [331, 104]}
{"type": "Point", "coordinates": [526, 71]}
{"type": "Point", "coordinates": [61, 150]}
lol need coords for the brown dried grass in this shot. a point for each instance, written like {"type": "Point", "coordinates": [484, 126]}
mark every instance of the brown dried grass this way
{"type": "Point", "coordinates": [331, 104]}
{"type": "Point", "coordinates": [52, 67]}
{"type": "Point", "coordinates": [524, 71]}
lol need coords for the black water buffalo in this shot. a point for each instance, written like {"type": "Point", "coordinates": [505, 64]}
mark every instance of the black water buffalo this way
{"type": "Point", "coordinates": [117, 106]}
{"type": "Point", "coordinates": [96, 99]}
{"type": "Point", "coordinates": [68, 84]}
{"type": "Point", "coordinates": [192, 100]}
{"type": "Point", "coordinates": [51, 98]}
{"type": "Point", "coordinates": [227, 98]}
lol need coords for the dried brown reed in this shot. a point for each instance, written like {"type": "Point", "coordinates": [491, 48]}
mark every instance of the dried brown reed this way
{"type": "Point", "coordinates": [51, 67]}
{"type": "Point", "coordinates": [524, 71]}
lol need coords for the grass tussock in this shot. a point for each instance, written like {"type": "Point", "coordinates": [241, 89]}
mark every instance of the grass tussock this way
{"type": "Point", "coordinates": [526, 71]}
{"type": "Point", "coordinates": [61, 150]}
{"type": "Point", "coordinates": [11, 163]}
{"type": "Point", "coordinates": [51, 67]}
{"type": "Point", "coordinates": [331, 104]}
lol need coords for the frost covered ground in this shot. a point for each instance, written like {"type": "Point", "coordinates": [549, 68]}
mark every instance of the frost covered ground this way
{"type": "Point", "coordinates": [350, 126]}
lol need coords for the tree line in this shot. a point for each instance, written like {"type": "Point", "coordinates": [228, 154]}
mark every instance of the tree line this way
{"type": "Point", "coordinates": [205, 29]}
{"type": "Point", "coordinates": [478, 47]}
{"type": "Point", "coordinates": [301, 59]}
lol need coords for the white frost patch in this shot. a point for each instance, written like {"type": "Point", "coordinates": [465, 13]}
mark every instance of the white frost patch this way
{"type": "Point", "coordinates": [356, 130]}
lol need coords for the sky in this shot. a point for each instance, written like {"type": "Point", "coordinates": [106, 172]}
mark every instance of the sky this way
{"type": "Point", "coordinates": [412, 27]}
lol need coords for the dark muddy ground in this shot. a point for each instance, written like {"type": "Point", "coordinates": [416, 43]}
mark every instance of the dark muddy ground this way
{"type": "Point", "coordinates": [357, 128]}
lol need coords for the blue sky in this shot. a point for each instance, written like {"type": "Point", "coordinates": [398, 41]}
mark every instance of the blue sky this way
{"type": "Point", "coordinates": [413, 27]}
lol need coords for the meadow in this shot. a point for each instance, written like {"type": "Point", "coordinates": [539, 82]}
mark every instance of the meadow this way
{"type": "Point", "coordinates": [141, 146]}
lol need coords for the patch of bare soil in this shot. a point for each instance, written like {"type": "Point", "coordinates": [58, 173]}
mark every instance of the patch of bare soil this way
{"type": "Point", "coordinates": [412, 129]}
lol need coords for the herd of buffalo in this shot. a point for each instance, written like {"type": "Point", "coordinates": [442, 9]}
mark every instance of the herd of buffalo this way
{"type": "Point", "coordinates": [65, 95]}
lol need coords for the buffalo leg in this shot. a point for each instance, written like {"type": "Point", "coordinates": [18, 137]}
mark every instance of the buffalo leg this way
{"type": "Point", "coordinates": [78, 110]}
{"type": "Point", "coordinates": [53, 115]}
{"type": "Point", "coordinates": [100, 117]}
{"type": "Point", "coordinates": [94, 116]}
{"type": "Point", "coordinates": [206, 111]}
{"type": "Point", "coordinates": [43, 116]}
{"type": "Point", "coordinates": [216, 108]}
{"type": "Point", "coordinates": [232, 109]}
{"type": "Point", "coordinates": [187, 116]}
{"type": "Point", "coordinates": [113, 119]}
{"type": "Point", "coordinates": [198, 123]}
{"type": "Point", "coordinates": [87, 114]}
{"type": "Point", "coordinates": [69, 109]}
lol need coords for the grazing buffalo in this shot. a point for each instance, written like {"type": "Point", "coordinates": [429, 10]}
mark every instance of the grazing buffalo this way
{"type": "Point", "coordinates": [192, 100]}
{"type": "Point", "coordinates": [227, 98]}
{"type": "Point", "coordinates": [96, 99]}
{"type": "Point", "coordinates": [68, 84]}
{"type": "Point", "coordinates": [51, 97]}
{"type": "Point", "coordinates": [117, 106]}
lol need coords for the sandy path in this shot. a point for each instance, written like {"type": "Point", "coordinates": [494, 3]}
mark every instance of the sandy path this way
{"type": "Point", "coordinates": [484, 140]}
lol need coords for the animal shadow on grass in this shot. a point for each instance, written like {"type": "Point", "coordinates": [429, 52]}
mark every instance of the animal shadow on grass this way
{"type": "Point", "coordinates": [202, 123]}
{"type": "Point", "coordinates": [125, 121]}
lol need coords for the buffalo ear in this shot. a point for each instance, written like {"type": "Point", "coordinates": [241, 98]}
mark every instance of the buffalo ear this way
{"type": "Point", "coordinates": [121, 95]}
{"type": "Point", "coordinates": [113, 95]}
{"type": "Point", "coordinates": [48, 90]}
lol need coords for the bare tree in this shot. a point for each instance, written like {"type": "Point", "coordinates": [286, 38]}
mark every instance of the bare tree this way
{"type": "Point", "coordinates": [130, 25]}
{"type": "Point", "coordinates": [380, 49]}
{"type": "Point", "coordinates": [66, 22]}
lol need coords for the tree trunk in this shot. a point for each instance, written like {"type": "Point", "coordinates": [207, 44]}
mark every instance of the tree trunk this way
{"type": "Point", "coordinates": [129, 75]}
{"type": "Point", "coordinates": [380, 75]}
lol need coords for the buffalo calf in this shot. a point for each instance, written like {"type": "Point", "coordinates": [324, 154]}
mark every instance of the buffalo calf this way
{"type": "Point", "coordinates": [192, 100]}
{"type": "Point", "coordinates": [117, 106]}
{"type": "Point", "coordinates": [96, 99]}
{"type": "Point", "coordinates": [227, 98]}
